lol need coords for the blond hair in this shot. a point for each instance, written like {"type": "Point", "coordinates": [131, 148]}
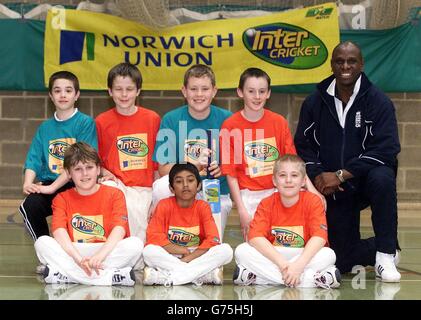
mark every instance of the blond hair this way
{"type": "Point", "coordinates": [292, 158]}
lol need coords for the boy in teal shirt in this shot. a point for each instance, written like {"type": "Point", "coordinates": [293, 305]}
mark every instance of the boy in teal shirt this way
{"type": "Point", "coordinates": [43, 169]}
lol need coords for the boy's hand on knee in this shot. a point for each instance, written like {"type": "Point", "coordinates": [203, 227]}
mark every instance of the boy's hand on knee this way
{"type": "Point", "coordinates": [46, 189]}
{"type": "Point", "coordinates": [31, 188]}
{"type": "Point", "coordinates": [293, 273]}
{"type": "Point", "coordinates": [95, 262]}
{"type": "Point", "coordinates": [84, 264]}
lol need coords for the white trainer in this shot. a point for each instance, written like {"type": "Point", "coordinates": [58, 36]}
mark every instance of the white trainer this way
{"type": "Point", "coordinates": [329, 278]}
{"type": "Point", "coordinates": [385, 267]}
{"type": "Point", "coordinates": [124, 277]}
{"type": "Point", "coordinates": [243, 277]}
{"type": "Point", "coordinates": [152, 276]}
{"type": "Point", "coordinates": [213, 277]}
{"type": "Point", "coordinates": [54, 276]}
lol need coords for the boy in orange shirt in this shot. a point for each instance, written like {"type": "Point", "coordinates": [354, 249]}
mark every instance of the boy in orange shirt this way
{"type": "Point", "coordinates": [287, 236]}
{"type": "Point", "coordinates": [183, 244]}
{"type": "Point", "coordinates": [91, 243]}
{"type": "Point", "coordinates": [126, 140]}
{"type": "Point", "coordinates": [251, 141]}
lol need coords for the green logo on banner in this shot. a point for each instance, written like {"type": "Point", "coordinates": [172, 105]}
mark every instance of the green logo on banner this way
{"type": "Point", "coordinates": [286, 46]}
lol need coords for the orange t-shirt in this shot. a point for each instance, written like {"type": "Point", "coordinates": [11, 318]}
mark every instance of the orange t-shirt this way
{"type": "Point", "coordinates": [90, 218]}
{"type": "Point", "coordinates": [126, 145]}
{"type": "Point", "coordinates": [188, 227]}
{"type": "Point", "coordinates": [250, 149]}
{"type": "Point", "coordinates": [289, 227]}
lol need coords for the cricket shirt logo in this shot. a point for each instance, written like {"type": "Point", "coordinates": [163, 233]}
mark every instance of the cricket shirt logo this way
{"type": "Point", "coordinates": [183, 236]}
{"type": "Point", "coordinates": [286, 237]}
{"type": "Point", "coordinates": [193, 149]}
{"type": "Point", "coordinates": [57, 149]}
{"type": "Point", "coordinates": [87, 228]}
{"type": "Point", "coordinates": [261, 151]}
{"type": "Point", "coordinates": [132, 146]}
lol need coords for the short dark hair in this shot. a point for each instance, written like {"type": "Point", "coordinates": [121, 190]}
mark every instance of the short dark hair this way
{"type": "Point", "coordinates": [253, 73]}
{"type": "Point", "coordinates": [125, 69]}
{"type": "Point", "coordinates": [178, 167]}
{"type": "Point", "coordinates": [198, 71]}
{"type": "Point", "coordinates": [346, 44]}
{"type": "Point", "coordinates": [80, 152]}
{"type": "Point", "coordinates": [63, 75]}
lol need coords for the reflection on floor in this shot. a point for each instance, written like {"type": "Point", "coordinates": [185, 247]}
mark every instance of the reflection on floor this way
{"type": "Point", "coordinates": [18, 280]}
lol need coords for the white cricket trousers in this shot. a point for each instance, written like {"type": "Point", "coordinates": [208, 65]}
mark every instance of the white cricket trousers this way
{"type": "Point", "coordinates": [138, 202]}
{"type": "Point", "coordinates": [125, 254]}
{"type": "Point", "coordinates": [161, 190]}
{"type": "Point", "coordinates": [268, 273]}
{"type": "Point", "coordinates": [182, 272]}
{"type": "Point", "coordinates": [251, 199]}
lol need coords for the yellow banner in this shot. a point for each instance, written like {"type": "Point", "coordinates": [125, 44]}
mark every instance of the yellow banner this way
{"type": "Point", "coordinates": [293, 47]}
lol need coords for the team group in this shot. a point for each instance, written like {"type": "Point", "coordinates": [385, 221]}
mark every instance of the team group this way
{"type": "Point", "coordinates": [124, 190]}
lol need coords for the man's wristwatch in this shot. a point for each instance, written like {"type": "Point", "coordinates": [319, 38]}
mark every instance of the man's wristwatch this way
{"type": "Point", "coordinates": [340, 175]}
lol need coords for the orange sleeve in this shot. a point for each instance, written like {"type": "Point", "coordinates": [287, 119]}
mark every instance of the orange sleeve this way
{"type": "Point", "coordinates": [157, 230]}
{"type": "Point", "coordinates": [210, 231]}
{"type": "Point", "coordinates": [260, 225]}
{"type": "Point", "coordinates": [288, 146]}
{"type": "Point", "coordinates": [316, 216]}
{"type": "Point", "coordinates": [59, 213]}
{"type": "Point", "coordinates": [157, 122]}
{"type": "Point", "coordinates": [119, 211]}
{"type": "Point", "coordinates": [100, 139]}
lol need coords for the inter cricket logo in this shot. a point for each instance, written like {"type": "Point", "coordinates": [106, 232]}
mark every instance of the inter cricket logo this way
{"type": "Point", "coordinates": [261, 151]}
{"type": "Point", "coordinates": [87, 226]}
{"type": "Point", "coordinates": [285, 45]}
{"type": "Point", "coordinates": [57, 149]}
{"type": "Point", "coordinates": [183, 238]}
{"type": "Point", "coordinates": [132, 146]}
{"type": "Point", "coordinates": [287, 238]}
{"type": "Point", "coordinates": [193, 149]}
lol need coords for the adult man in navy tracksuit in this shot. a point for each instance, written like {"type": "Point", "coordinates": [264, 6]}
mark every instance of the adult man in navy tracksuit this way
{"type": "Point", "coordinates": [347, 134]}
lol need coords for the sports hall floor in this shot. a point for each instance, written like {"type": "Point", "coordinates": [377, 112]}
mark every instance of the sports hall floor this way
{"type": "Point", "coordinates": [18, 280]}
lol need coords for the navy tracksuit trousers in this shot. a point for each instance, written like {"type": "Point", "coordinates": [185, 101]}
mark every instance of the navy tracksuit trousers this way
{"type": "Point", "coordinates": [378, 190]}
{"type": "Point", "coordinates": [35, 209]}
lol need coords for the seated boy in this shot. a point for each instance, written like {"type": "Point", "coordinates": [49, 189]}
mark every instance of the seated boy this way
{"type": "Point", "coordinates": [287, 236]}
{"type": "Point", "coordinates": [91, 243]}
{"type": "Point", "coordinates": [183, 244]}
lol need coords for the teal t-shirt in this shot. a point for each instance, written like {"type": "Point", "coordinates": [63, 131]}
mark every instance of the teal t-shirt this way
{"type": "Point", "coordinates": [46, 153]}
{"type": "Point", "coordinates": [181, 137]}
